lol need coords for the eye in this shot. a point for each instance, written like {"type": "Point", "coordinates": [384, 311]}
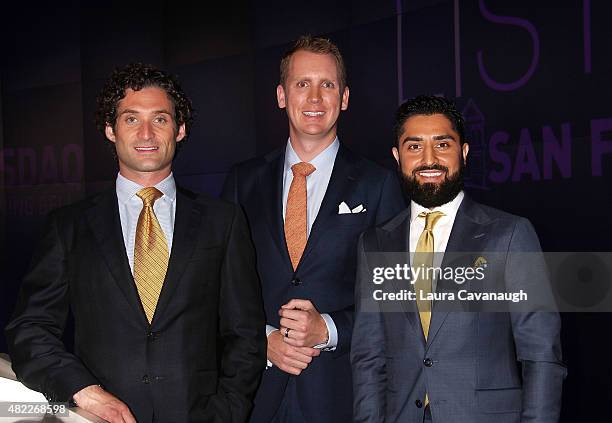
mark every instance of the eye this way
{"type": "Point", "coordinates": [161, 120]}
{"type": "Point", "coordinates": [328, 84]}
{"type": "Point", "coordinates": [131, 120]}
{"type": "Point", "coordinates": [443, 145]}
{"type": "Point", "coordinates": [413, 146]}
{"type": "Point", "coordinates": [302, 84]}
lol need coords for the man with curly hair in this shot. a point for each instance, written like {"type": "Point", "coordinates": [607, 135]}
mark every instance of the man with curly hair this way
{"type": "Point", "coordinates": [161, 281]}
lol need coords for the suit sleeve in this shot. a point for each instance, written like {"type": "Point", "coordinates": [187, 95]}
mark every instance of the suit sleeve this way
{"type": "Point", "coordinates": [536, 330]}
{"type": "Point", "coordinates": [34, 335]}
{"type": "Point", "coordinates": [241, 328]}
{"type": "Point", "coordinates": [367, 349]}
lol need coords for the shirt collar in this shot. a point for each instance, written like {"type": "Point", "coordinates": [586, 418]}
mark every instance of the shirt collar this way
{"type": "Point", "coordinates": [127, 189]}
{"type": "Point", "coordinates": [324, 159]}
{"type": "Point", "coordinates": [449, 209]}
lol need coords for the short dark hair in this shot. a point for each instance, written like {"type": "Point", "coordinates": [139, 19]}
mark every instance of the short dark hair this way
{"type": "Point", "coordinates": [318, 45]}
{"type": "Point", "coordinates": [137, 76]}
{"type": "Point", "coordinates": [429, 105]}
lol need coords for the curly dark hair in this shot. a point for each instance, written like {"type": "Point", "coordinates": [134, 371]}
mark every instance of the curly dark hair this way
{"type": "Point", "coordinates": [137, 76]}
{"type": "Point", "coordinates": [429, 105]}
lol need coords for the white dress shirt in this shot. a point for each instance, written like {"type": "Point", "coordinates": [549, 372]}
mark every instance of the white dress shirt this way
{"type": "Point", "coordinates": [316, 186]}
{"type": "Point", "coordinates": [130, 206]}
{"type": "Point", "coordinates": [441, 230]}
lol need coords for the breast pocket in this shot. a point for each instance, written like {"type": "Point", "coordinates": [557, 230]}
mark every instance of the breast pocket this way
{"type": "Point", "coordinates": [203, 270]}
{"type": "Point", "coordinates": [213, 253]}
{"type": "Point", "coordinates": [352, 219]}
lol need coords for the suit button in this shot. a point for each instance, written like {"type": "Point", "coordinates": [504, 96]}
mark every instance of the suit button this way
{"type": "Point", "coordinates": [146, 380]}
{"type": "Point", "coordinates": [418, 403]}
{"type": "Point", "coordinates": [296, 281]}
{"type": "Point", "coordinates": [151, 336]}
{"type": "Point", "coordinates": [428, 362]}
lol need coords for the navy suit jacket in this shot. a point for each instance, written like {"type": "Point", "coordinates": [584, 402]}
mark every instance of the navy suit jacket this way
{"type": "Point", "coordinates": [476, 366]}
{"type": "Point", "coordinates": [325, 274]}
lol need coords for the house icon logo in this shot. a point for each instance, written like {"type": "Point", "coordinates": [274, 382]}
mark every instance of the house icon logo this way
{"type": "Point", "coordinates": [476, 171]}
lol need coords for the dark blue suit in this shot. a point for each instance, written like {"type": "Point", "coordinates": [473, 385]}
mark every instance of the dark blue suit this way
{"type": "Point", "coordinates": [476, 367]}
{"type": "Point", "coordinates": [325, 274]}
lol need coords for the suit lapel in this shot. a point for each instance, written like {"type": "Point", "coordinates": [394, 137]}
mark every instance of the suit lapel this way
{"type": "Point", "coordinates": [465, 228]}
{"type": "Point", "coordinates": [396, 240]}
{"type": "Point", "coordinates": [342, 179]}
{"type": "Point", "coordinates": [104, 222]}
{"type": "Point", "coordinates": [186, 224]}
{"type": "Point", "coordinates": [271, 188]}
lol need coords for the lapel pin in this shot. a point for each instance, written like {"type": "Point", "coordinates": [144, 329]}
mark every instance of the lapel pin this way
{"type": "Point", "coordinates": [480, 262]}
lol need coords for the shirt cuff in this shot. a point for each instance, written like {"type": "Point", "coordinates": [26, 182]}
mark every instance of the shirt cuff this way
{"type": "Point", "coordinates": [269, 330]}
{"type": "Point", "coordinates": [332, 341]}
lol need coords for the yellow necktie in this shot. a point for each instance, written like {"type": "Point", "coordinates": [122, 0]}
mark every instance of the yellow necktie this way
{"type": "Point", "coordinates": [423, 258]}
{"type": "Point", "coordinates": [150, 253]}
{"type": "Point", "coordinates": [296, 229]}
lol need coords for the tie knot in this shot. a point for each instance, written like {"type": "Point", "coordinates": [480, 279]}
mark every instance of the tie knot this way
{"type": "Point", "coordinates": [149, 195]}
{"type": "Point", "coordinates": [431, 219]}
{"type": "Point", "coordinates": [302, 169]}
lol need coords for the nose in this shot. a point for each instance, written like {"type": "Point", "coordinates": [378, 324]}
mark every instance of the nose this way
{"type": "Point", "coordinates": [429, 154]}
{"type": "Point", "coordinates": [145, 132]}
{"type": "Point", "coordinates": [314, 95]}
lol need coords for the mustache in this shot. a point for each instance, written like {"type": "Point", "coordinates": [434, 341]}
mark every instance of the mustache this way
{"type": "Point", "coordinates": [430, 167]}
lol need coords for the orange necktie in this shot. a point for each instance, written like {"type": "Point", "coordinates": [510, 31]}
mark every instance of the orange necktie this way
{"type": "Point", "coordinates": [296, 229]}
{"type": "Point", "coordinates": [150, 253]}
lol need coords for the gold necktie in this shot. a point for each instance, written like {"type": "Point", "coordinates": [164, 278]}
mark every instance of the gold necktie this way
{"type": "Point", "coordinates": [296, 229]}
{"type": "Point", "coordinates": [423, 258]}
{"type": "Point", "coordinates": [150, 253]}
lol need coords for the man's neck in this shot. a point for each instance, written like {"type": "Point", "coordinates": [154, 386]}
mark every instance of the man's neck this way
{"type": "Point", "coordinates": [145, 179]}
{"type": "Point", "coordinates": [459, 194]}
{"type": "Point", "coordinates": [307, 149]}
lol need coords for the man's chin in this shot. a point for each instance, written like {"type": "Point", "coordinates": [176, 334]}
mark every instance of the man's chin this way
{"type": "Point", "coordinates": [430, 194]}
{"type": "Point", "coordinates": [431, 187]}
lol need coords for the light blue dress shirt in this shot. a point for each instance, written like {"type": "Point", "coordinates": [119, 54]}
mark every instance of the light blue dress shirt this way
{"type": "Point", "coordinates": [130, 206]}
{"type": "Point", "coordinates": [316, 182]}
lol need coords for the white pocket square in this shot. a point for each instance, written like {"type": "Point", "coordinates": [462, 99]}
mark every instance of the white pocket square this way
{"type": "Point", "coordinates": [343, 208]}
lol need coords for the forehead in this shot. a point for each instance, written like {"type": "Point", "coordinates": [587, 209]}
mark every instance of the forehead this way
{"type": "Point", "coordinates": [428, 124]}
{"type": "Point", "coordinates": [147, 98]}
{"type": "Point", "coordinates": [306, 63]}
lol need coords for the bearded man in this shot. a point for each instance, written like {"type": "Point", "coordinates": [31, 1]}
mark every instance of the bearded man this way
{"type": "Point", "coordinates": [414, 362]}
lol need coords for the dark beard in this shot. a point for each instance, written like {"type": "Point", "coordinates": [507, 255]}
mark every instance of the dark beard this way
{"type": "Point", "coordinates": [431, 195]}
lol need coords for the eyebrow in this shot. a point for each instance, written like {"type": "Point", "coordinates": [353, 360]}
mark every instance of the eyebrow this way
{"type": "Point", "coordinates": [435, 138]}
{"type": "Point", "coordinates": [443, 137]}
{"type": "Point", "coordinates": [310, 79]}
{"type": "Point", "coordinates": [137, 111]}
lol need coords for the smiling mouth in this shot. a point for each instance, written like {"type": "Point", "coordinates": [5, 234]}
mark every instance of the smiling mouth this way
{"type": "Point", "coordinates": [146, 149]}
{"type": "Point", "coordinates": [313, 114]}
{"type": "Point", "coordinates": [430, 173]}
